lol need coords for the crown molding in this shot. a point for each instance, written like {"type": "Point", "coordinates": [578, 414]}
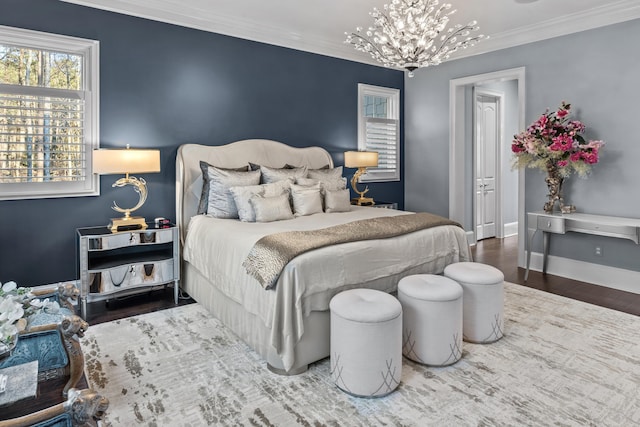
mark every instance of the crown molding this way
{"type": "Point", "coordinates": [207, 20]}
{"type": "Point", "coordinates": [625, 10]}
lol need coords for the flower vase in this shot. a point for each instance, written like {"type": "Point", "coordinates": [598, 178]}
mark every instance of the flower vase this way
{"type": "Point", "coordinates": [554, 182]}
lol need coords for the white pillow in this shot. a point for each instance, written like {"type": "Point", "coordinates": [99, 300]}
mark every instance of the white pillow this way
{"type": "Point", "coordinates": [221, 203]}
{"type": "Point", "coordinates": [337, 201]}
{"type": "Point", "coordinates": [270, 175]}
{"type": "Point", "coordinates": [242, 197]}
{"type": "Point", "coordinates": [325, 174]}
{"type": "Point", "coordinates": [306, 200]}
{"type": "Point", "coordinates": [271, 208]}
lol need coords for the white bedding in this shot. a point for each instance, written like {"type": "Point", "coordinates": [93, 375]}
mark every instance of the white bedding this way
{"type": "Point", "coordinates": [217, 248]}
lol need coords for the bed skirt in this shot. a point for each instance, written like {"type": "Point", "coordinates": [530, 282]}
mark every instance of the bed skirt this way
{"type": "Point", "coordinates": [313, 346]}
{"type": "Point", "coordinates": [315, 341]}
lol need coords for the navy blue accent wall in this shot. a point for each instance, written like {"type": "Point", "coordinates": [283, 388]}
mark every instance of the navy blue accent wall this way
{"type": "Point", "coordinates": [163, 85]}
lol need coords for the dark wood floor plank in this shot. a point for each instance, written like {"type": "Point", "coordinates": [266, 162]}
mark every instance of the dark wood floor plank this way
{"type": "Point", "coordinates": [503, 254]}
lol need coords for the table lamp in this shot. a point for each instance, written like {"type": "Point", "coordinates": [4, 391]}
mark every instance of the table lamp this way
{"type": "Point", "coordinates": [361, 160]}
{"type": "Point", "coordinates": [126, 161]}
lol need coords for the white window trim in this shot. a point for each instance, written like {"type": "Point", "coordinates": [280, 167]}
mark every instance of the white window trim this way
{"type": "Point", "coordinates": [90, 50]}
{"type": "Point", "coordinates": [394, 113]}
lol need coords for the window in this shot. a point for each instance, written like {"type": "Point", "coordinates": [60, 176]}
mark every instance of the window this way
{"type": "Point", "coordinates": [48, 114]}
{"type": "Point", "coordinates": [379, 130]}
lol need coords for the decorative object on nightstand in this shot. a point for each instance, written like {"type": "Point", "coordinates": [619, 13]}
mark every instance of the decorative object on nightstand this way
{"type": "Point", "coordinates": [126, 262]}
{"type": "Point", "coordinates": [361, 160]}
{"type": "Point", "coordinates": [554, 144]}
{"type": "Point", "coordinates": [385, 205]}
{"type": "Point", "coordinates": [126, 161]}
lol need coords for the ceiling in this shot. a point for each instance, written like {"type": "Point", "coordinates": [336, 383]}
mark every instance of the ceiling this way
{"type": "Point", "coordinates": [319, 26]}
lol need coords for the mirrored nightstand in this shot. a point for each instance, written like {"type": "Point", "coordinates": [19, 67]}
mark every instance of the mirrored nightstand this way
{"type": "Point", "coordinates": [126, 262]}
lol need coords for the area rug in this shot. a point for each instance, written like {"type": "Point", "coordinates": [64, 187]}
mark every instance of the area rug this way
{"type": "Point", "coordinates": [561, 362]}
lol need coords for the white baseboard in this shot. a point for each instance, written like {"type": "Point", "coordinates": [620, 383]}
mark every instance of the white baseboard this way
{"type": "Point", "coordinates": [510, 229]}
{"type": "Point", "coordinates": [471, 237]}
{"type": "Point", "coordinates": [610, 277]}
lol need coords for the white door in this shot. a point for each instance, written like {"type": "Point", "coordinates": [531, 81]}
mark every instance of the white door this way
{"type": "Point", "coordinates": [487, 134]}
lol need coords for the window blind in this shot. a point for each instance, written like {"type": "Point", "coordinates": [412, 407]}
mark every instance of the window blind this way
{"type": "Point", "coordinates": [381, 135]}
{"type": "Point", "coordinates": [41, 135]}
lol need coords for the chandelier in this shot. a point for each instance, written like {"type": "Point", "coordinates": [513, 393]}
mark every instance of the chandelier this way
{"type": "Point", "coordinates": [411, 34]}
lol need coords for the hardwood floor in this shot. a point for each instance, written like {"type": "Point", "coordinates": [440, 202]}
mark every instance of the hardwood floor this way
{"type": "Point", "coordinates": [501, 253]}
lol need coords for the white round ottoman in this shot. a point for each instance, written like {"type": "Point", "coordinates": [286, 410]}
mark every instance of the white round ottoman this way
{"type": "Point", "coordinates": [431, 319]}
{"type": "Point", "coordinates": [366, 342]}
{"type": "Point", "coordinates": [483, 300]}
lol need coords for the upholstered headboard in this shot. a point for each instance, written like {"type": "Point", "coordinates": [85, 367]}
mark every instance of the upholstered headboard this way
{"type": "Point", "coordinates": [236, 154]}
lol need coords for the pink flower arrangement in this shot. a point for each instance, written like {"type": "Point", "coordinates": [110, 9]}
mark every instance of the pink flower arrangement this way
{"type": "Point", "coordinates": [554, 143]}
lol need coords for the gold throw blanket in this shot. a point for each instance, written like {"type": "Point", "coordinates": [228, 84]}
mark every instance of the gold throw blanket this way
{"type": "Point", "coordinates": [271, 253]}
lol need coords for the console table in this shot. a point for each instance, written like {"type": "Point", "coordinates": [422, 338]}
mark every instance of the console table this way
{"type": "Point", "coordinates": [557, 223]}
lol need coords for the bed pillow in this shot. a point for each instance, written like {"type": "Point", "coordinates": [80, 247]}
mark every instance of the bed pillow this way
{"type": "Point", "coordinates": [325, 184]}
{"type": "Point", "coordinates": [200, 187]}
{"type": "Point", "coordinates": [288, 166]}
{"type": "Point", "coordinates": [325, 174]}
{"type": "Point", "coordinates": [220, 203]}
{"type": "Point", "coordinates": [242, 197]}
{"type": "Point", "coordinates": [255, 166]}
{"type": "Point", "coordinates": [337, 201]}
{"type": "Point", "coordinates": [269, 209]}
{"type": "Point", "coordinates": [270, 175]}
{"type": "Point", "coordinates": [307, 200]}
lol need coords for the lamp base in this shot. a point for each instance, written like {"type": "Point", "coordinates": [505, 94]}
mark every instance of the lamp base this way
{"type": "Point", "coordinates": [363, 201]}
{"type": "Point", "coordinates": [127, 223]}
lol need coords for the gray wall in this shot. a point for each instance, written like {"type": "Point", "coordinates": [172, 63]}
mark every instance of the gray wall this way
{"type": "Point", "coordinates": [163, 85]}
{"type": "Point", "coordinates": [597, 71]}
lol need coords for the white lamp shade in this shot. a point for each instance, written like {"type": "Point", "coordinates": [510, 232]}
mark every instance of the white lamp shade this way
{"type": "Point", "coordinates": [360, 159]}
{"type": "Point", "coordinates": [119, 161]}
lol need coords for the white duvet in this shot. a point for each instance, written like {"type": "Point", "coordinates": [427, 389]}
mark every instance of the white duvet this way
{"type": "Point", "coordinates": [217, 248]}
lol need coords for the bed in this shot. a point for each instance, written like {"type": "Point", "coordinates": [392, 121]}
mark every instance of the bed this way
{"type": "Point", "coordinates": [288, 324]}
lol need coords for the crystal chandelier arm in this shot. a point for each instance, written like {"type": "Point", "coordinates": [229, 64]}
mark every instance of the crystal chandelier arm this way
{"type": "Point", "coordinates": [451, 38]}
{"type": "Point", "coordinates": [412, 33]}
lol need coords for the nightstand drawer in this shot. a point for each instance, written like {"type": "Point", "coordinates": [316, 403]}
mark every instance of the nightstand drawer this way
{"type": "Point", "coordinates": [551, 224]}
{"type": "Point", "coordinates": [119, 278]}
{"type": "Point", "coordinates": [133, 238]}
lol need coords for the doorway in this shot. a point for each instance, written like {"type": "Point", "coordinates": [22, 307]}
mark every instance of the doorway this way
{"type": "Point", "coordinates": [487, 140]}
{"type": "Point", "coordinates": [461, 163]}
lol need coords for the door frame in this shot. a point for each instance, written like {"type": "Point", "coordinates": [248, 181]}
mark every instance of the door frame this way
{"type": "Point", "coordinates": [499, 224]}
{"type": "Point", "coordinates": [458, 176]}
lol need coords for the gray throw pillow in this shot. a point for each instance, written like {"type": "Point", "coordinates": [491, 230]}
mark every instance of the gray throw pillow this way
{"type": "Point", "coordinates": [306, 199]}
{"type": "Point", "coordinates": [325, 174]}
{"type": "Point", "coordinates": [337, 201]}
{"type": "Point", "coordinates": [271, 208]}
{"type": "Point", "coordinates": [221, 203]}
{"type": "Point", "coordinates": [242, 197]}
{"type": "Point", "coordinates": [270, 175]}
{"type": "Point", "coordinates": [204, 185]}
